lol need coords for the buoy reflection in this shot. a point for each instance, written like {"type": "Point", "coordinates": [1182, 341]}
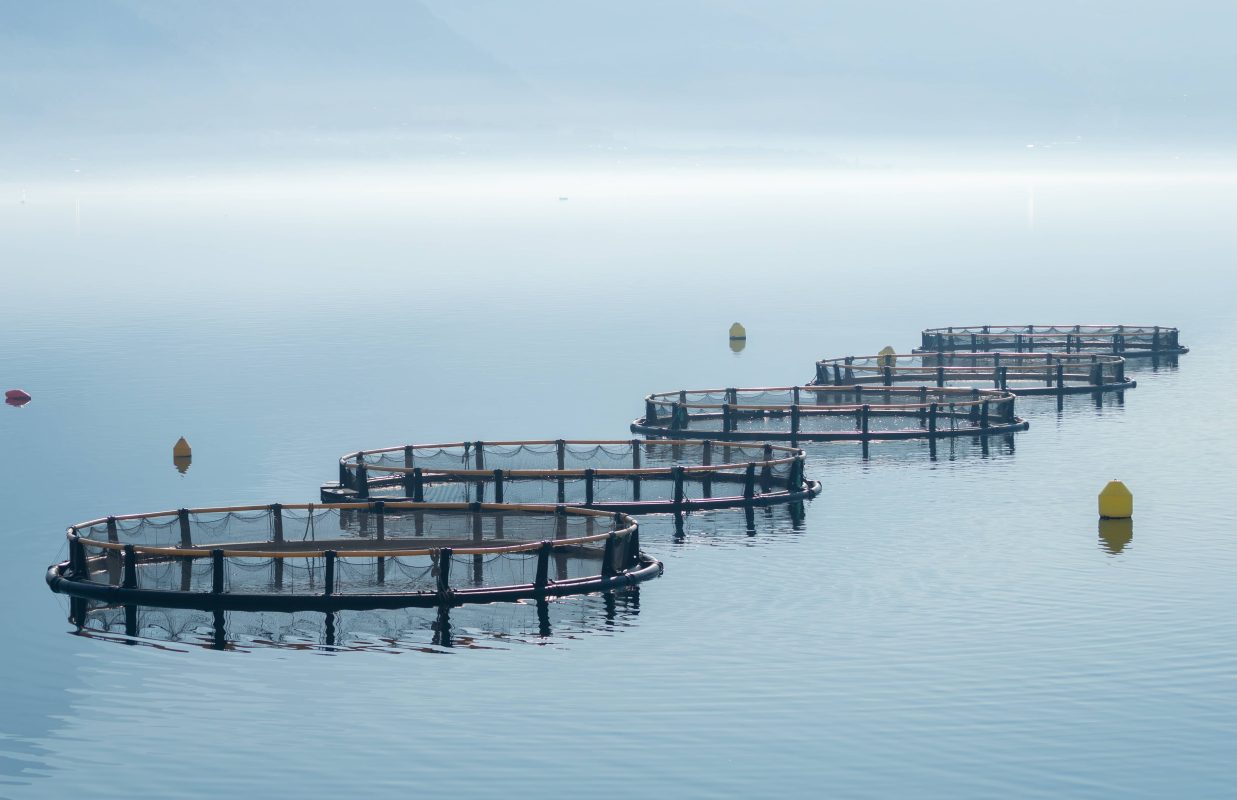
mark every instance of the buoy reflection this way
{"type": "Point", "coordinates": [1115, 534]}
{"type": "Point", "coordinates": [182, 463]}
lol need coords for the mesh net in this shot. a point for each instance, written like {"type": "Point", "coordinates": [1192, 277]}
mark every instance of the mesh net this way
{"type": "Point", "coordinates": [827, 412]}
{"type": "Point", "coordinates": [422, 550]}
{"type": "Point", "coordinates": [1018, 372]}
{"type": "Point", "coordinates": [614, 474]}
{"type": "Point", "coordinates": [1120, 339]}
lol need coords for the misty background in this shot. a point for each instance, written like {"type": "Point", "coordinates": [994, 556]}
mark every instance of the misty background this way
{"type": "Point", "coordinates": [110, 82]}
{"type": "Point", "coordinates": [291, 229]}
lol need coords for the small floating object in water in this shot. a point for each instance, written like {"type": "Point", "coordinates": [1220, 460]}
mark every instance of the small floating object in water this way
{"type": "Point", "coordinates": [1116, 501]}
{"type": "Point", "coordinates": [16, 397]}
{"type": "Point", "coordinates": [182, 455]}
{"type": "Point", "coordinates": [562, 199]}
{"type": "Point", "coordinates": [737, 331]}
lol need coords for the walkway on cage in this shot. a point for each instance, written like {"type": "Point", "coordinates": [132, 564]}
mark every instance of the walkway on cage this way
{"type": "Point", "coordinates": [824, 414]}
{"type": "Point", "coordinates": [350, 556]}
{"type": "Point", "coordinates": [629, 475]}
{"type": "Point", "coordinates": [1021, 373]}
{"type": "Point", "coordinates": [1122, 340]}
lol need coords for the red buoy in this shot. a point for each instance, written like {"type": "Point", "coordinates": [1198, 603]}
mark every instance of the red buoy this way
{"type": "Point", "coordinates": [16, 397]}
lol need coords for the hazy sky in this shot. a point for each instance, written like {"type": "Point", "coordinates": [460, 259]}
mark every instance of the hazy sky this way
{"type": "Point", "coordinates": [382, 77]}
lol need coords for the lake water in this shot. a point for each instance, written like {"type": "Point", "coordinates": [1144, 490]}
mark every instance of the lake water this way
{"type": "Point", "coordinates": [957, 627]}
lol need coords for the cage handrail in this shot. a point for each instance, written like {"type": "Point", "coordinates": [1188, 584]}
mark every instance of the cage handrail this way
{"type": "Point", "coordinates": [355, 460]}
{"type": "Point", "coordinates": [829, 407]}
{"type": "Point", "coordinates": [827, 410]}
{"type": "Point", "coordinates": [868, 369]}
{"type": "Point", "coordinates": [951, 396]}
{"type": "Point", "coordinates": [366, 506]}
{"type": "Point", "coordinates": [1044, 357]}
{"type": "Point", "coordinates": [810, 388]}
{"type": "Point", "coordinates": [938, 390]}
{"type": "Point", "coordinates": [207, 552]}
{"type": "Point", "coordinates": [643, 472]}
{"type": "Point", "coordinates": [1086, 330]}
{"type": "Point", "coordinates": [536, 508]}
{"type": "Point", "coordinates": [513, 443]}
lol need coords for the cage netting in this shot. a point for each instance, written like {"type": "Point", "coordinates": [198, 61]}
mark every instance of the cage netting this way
{"type": "Point", "coordinates": [1124, 340]}
{"type": "Point", "coordinates": [630, 475]}
{"type": "Point", "coordinates": [1022, 373]}
{"type": "Point", "coordinates": [828, 413]}
{"type": "Point", "coordinates": [433, 552]}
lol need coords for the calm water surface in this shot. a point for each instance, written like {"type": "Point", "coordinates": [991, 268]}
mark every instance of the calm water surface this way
{"type": "Point", "coordinates": [957, 627]}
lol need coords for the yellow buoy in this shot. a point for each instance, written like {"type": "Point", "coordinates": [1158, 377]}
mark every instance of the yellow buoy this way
{"type": "Point", "coordinates": [887, 357]}
{"type": "Point", "coordinates": [1116, 501]}
{"type": "Point", "coordinates": [182, 455]}
{"type": "Point", "coordinates": [737, 331]}
{"type": "Point", "coordinates": [737, 345]}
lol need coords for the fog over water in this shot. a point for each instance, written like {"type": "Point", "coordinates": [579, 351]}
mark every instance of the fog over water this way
{"type": "Point", "coordinates": [133, 79]}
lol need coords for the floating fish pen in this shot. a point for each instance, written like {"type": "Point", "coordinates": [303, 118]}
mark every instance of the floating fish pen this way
{"type": "Point", "coordinates": [828, 414]}
{"type": "Point", "coordinates": [350, 556]}
{"type": "Point", "coordinates": [1122, 340]}
{"type": "Point", "coordinates": [1021, 373]}
{"type": "Point", "coordinates": [613, 475]}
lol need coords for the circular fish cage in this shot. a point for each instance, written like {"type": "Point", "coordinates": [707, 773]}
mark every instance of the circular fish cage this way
{"type": "Point", "coordinates": [1121, 340]}
{"type": "Point", "coordinates": [613, 475]}
{"type": "Point", "coordinates": [350, 556]}
{"type": "Point", "coordinates": [828, 413]}
{"type": "Point", "coordinates": [1021, 373]}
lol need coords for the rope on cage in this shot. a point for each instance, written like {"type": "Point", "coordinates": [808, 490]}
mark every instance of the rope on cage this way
{"type": "Point", "coordinates": [308, 533]}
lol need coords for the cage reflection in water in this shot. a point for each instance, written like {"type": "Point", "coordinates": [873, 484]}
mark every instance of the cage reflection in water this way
{"type": "Point", "coordinates": [827, 456]}
{"type": "Point", "coordinates": [719, 529]}
{"type": "Point", "coordinates": [828, 413]}
{"type": "Point", "coordinates": [361, 555]}
{"type": "Point", "coordinates": [616, 475]}
{"type": "Point", "coordinates": [476, 626]}
{"type": "Point", "coordinates": [1122, 340]}
{"type": "Point", "coordinates": [1021, 373]}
